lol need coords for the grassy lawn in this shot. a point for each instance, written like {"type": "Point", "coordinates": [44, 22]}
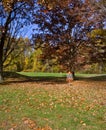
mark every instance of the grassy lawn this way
{"type": "Point", "coordinates": [42, 74]}
{"type": "Point", "coordinates": [53, 106]}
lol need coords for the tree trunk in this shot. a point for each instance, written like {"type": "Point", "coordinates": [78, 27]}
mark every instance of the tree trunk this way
{"type": "Point", "coordinates": [73, 74]}
{"type": "Point", "coordinates": [1, 66]}
{"type": "Point", "coordinates": [72, 69]}
{"type": "Point", "coordinates": [1, 59]}
{"type": "Point", "coordinates": [1, 75]}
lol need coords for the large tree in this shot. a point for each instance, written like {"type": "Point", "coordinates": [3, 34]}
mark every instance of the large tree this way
{"type": "Point", "coordinates": [14, 16]}
{"type": "Point", "coordinates": [64, 26]}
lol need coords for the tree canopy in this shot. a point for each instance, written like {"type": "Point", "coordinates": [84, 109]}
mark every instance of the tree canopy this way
{"type": "Point", "coordinates": [65, 27]}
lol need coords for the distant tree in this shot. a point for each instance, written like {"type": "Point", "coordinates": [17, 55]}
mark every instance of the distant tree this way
{"type": "Point", "coordinates": [98, 50]}
{"type": "Point", "coordinates": [37, 64]}
{"type": "Point", "coordinates": [94, 51]}
{"type": "Point", "coordinates": [16, 60]}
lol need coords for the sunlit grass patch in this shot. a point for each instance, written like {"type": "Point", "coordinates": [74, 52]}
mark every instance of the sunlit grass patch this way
{"type": "Point", "coordinates": [42, 74]}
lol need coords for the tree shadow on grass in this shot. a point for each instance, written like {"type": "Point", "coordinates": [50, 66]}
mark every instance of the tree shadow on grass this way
{"type": "Point", "coordinates": [92, 78]}
{"type": "Point", "coordinates": [18, 78]}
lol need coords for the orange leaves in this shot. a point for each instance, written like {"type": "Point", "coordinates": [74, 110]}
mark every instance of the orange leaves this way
{"type": "Point", "coordinates": [33, 125]}
{"type": "Point", "coordinates": [45, 11]}
{"type": "Point", "coordinates": [14, 126]}
{"type": "Point", "coordinates": [30, 123]}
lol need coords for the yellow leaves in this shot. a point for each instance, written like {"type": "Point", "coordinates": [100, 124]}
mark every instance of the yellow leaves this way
{"type": "Point", "coordinates": [83, 123]}
{"type": "Point", "coordinates": [101, 32]}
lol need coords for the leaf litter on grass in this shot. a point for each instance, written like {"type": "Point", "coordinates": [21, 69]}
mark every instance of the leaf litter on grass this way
{"type": "Point", "coordinates": [81, 98]}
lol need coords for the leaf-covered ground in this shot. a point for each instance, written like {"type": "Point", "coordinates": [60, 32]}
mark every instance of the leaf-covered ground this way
{"type": "Point", "coordinates": [53, 106]}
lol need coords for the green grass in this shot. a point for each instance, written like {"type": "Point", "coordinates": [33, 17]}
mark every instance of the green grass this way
{"type": "Point", "coordinates": [61, 108]}
{"type": "Point", "coordinates": [45, 74]}
{"type": "Point", "coordinates": [89, 75]}
{"type": "Point", "coordinates": [42, 74]}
